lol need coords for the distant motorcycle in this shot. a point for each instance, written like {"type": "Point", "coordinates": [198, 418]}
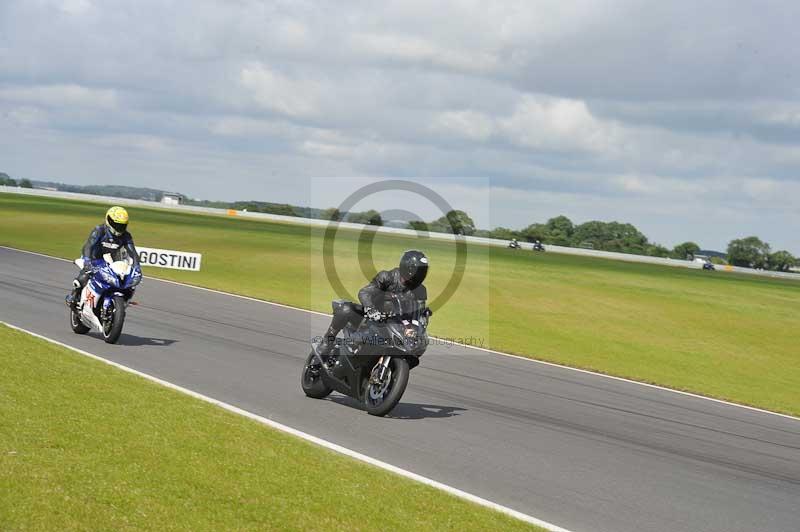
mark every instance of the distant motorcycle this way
{"type": "Point", "coordinates": [105, 297]}
{"type": "Point", "coordinates": [538, 246]}
{"type": "Point", "coordinates": [372, 362]}
{"type": "Point", "coordinates": [514, 245]}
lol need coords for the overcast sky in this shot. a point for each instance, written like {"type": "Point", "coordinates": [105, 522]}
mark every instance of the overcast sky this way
{"type": "Point", "coordinates": [680, 117]}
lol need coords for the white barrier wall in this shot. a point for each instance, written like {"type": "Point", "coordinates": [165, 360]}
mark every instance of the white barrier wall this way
{"type": "Point", "coordinates": [392, 230]}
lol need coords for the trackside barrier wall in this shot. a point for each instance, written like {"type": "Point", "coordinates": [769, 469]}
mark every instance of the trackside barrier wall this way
{"type": "Point", "coordinates": [390, 230]}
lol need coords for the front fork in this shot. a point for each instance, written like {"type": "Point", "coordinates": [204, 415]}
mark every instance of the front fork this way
{"type": "Point", "coordinates": [380, 370]}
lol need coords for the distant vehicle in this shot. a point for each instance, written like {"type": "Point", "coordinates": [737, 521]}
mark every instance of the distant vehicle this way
{"type": "Point", "coordinates": [514, 244]}
{"type": "Point", "coordinates": [105, 298]}
{"type": "Point", "coordinates": [708, 266]}
{"type": "Point", "coordinates": [538, 246]}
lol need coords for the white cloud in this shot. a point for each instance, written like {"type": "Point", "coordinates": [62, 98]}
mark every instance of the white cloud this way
{"type": "Point", "coordinates": [415, 50]}
{"type": "Point", "coordinates": [467, 124]}
{"type": "Point", "coordinates": [75, 7]}
{"type": "Point", "coordinates": [149, 143]}
{"type": "Point", "coordinates": [61, 95]}
{"type": "Point", "coordinates": [559, 124]}
{"type": "Point", "coordinates": [277, 92]}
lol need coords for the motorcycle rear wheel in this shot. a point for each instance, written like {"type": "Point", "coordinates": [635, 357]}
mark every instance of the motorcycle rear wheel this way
{"type": "Point", "coordinates": [312, 383]}
{"type": "Point", "coordinates": [379, 401]}
{"type": "Point", "coordinates": [113, 329]}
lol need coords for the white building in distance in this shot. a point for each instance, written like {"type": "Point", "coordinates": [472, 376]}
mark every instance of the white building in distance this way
{"type": "Point", "coordinates": [171, 198]}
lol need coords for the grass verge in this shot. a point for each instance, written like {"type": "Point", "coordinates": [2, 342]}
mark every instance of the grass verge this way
{"type": "Point", "coordinates": [84, 446]}
{"type": "Point", "coordinates": [724, 335]}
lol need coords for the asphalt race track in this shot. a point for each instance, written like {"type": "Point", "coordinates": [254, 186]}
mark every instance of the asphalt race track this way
{"type": "Point", "coordinates": [578, 450]}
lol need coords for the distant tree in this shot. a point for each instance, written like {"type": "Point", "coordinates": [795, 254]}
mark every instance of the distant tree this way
{"type": "Point", "coordinates": [685, 251]}
{"type": "Point", "coordinates": [502, 233]}
{"type": "Point", "coordinates": [593, 232]}
{"type": "Point", "coordinates": [460, 223]}
{"type": "Point", "coordinates": [282, 209]}
{"type": "Point", "coordinates": [333, 214]}
{"type": "Point", "coordinates": [559, 231]}
{"type": "Point", "coordinates": [455, 221]}
{"type": "Point", "coordinates": [535, 232]}
{"type": "Point", "coordinates": [26, 183]}
{"type": "Point", "coordinates": [782, 261]}
{"type": "Point", "coordinates": [371, 217]}
{"type": "Point", "coordinates": [656, 250]}
{"type": "Point", "coordinates": [418, 225]}
{"type": "Point", "coordinates": [610, 236]}
{"type": "Point", "coordinates": [750, 252]}
{"type": "Point", "coordinates": [6, 180]}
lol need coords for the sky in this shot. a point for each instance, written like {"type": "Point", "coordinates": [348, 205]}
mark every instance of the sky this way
{"type": "Point", "coordinates": [680, 117]}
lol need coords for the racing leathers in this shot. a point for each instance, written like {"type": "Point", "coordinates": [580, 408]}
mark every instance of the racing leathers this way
{"type": "Point", "coordinates": [102, 241]}
{"type": "Point", "coordinates": [384, 286]}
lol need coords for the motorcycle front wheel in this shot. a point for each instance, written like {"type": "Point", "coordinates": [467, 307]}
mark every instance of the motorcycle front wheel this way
{"type": "Point", "coordinates": [76, 324]}
{"type": "Point", "coordinates": [380, 398]}
{"type": "Point", "coordinates": [112, 327]}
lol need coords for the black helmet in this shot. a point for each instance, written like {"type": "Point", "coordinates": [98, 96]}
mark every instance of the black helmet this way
{"type": "Point", "coordinates": [413, 268]}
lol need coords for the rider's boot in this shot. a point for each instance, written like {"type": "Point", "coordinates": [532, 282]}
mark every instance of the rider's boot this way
{"type": "Point", "coordinates": [75, 296]}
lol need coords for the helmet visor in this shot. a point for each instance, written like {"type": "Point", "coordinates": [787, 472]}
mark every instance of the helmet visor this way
{"type": "Point", "coordinates": [116, 228]}
{"type": "Point", "coordinates": [414, 275]}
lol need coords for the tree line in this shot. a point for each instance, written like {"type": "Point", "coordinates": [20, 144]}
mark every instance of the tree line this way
{"type": "Point", "coordinates": [750, 252]}
{"type": "Point", "coordinates": [6, 180]}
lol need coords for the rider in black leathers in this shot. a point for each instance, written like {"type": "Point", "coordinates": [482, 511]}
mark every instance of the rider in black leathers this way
{"type": "Point", "coordinates": [112, 238]}
{"type": "Point", "coordinates": [406, 278]}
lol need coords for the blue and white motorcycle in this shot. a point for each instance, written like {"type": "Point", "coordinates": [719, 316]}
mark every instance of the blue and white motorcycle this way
{"type": "Point", "coordinates": [105, 297]}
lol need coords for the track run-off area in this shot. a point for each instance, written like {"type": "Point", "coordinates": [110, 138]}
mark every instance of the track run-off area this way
{"type": "Point", "coordinates": [577, 449]}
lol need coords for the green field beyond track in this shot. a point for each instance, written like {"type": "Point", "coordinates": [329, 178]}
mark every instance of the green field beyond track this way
{"type": "Point", "coordinates": [84, 446]}
{"type": "Point", "coordinates": [735, 337]}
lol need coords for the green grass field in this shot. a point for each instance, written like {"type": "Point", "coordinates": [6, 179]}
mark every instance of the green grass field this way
{"type": "Point", "coordinates": [729, 336]}
{"type": "Point", "coordinates": [84, 446]}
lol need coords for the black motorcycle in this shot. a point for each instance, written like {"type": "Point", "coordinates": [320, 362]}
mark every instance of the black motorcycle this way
{"type": "Point", "coordinates": [371, 363]}
{"type": "Point", "coordinates": [538, 246]}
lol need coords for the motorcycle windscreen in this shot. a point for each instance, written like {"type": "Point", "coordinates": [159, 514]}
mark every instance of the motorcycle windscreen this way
{"type": "Point", "coordinates": [406, 304]}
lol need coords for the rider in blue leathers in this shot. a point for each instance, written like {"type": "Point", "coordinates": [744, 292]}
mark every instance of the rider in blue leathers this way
{"type": "Point", "coordinates": [112, 238]}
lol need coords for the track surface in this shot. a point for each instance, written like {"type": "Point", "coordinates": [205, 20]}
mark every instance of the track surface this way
{"type": "Point", "coordinates": [578, 450]}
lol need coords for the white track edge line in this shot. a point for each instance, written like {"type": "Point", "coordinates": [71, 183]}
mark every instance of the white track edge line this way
{"type": "Point", "coordinates": [308, 437]}
{"type": "Point", "coordinates": [527, 359]}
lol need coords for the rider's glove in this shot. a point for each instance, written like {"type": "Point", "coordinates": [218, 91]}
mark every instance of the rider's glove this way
{"type": "Point", "coordinates": [374, 314]}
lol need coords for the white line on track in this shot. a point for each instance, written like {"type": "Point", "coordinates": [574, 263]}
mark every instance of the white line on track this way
{"type": "Point", "coordinates": [500, 353]}
{"type": "Point", "coordinates": [308, 437]}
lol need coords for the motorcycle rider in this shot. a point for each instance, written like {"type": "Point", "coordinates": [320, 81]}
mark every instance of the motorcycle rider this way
{"type": "Point", "coordinates": [406, 278]}
{"type": "Point", "coordinates": [111, 237]}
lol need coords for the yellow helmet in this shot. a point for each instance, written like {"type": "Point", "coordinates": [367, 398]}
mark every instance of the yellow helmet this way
{"type": "Point", "coordinates": [117, 220]}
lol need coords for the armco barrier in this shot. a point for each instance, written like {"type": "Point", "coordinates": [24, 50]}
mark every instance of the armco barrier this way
{"type": "Point", "coordinates": [391, 230]}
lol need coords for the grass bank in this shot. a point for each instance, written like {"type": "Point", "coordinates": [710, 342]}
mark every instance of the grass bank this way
{"type": "Point", "coordinates": [84, 446]}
